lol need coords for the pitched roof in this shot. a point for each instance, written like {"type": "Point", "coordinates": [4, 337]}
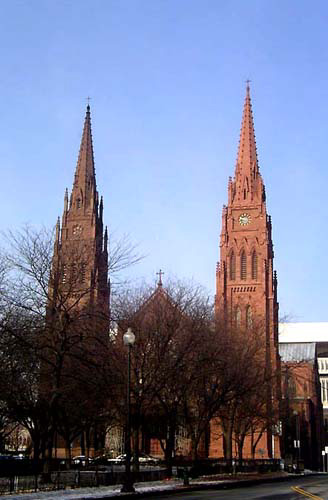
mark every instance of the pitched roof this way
{"type": "Point", "coordinates": [298, 352]}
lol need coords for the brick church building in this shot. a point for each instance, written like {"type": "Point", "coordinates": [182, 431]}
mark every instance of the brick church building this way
{"type": "Point", "coordinates": [246, 283]}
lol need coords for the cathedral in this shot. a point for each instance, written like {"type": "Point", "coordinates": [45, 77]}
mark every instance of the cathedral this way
{"type": "Point", "coordinates": [246, 283]}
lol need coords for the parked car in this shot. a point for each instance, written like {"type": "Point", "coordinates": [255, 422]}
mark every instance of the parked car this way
{"type": "Point", "coordinates": [82, 460]}
{"type": "Point", "coordinates": [148, 459]}
{"type": "Point", "coordinates": [143, 459]}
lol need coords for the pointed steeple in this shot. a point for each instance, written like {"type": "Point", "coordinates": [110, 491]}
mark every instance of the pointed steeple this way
{"type": "Point", "coordinates": [247, 156]}
{"type": "Point", "coordinates": [247, 184]}
{"type": "Point", "coordinates": [84, 188]}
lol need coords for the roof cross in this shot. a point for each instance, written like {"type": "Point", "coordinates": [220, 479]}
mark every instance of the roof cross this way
{"type": "Point", "coordinates": [160, 274]}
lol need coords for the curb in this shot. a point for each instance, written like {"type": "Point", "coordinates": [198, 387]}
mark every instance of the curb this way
{"type": "Point", "coordinates": [224, 485]}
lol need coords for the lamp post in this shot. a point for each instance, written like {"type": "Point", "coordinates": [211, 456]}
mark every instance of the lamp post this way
{"type": "Point", "coordinates": [128, 339]}
{"type": "Point", "coordinates": [323, 453]}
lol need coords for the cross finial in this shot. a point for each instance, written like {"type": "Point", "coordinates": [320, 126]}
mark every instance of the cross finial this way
{"type": "Point", "coordinates": [247, 83]}
{"type": "Point", "coordinates": [160, 274]}
{"type": "Point", "coordinates": [88, 101]}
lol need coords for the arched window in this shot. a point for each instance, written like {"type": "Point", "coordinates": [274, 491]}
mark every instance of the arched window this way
{"type": "Point", "coordinates": [78, 203]}
{"type": "Point", "coordinates": [243, 266]}
{"type": "Point", "coordinates": [248, 317]}
{"type": "Point", "coordinates": [238, 316]}
{"type": "Point", "coordinates": [232, 266]}
{"type": "Point", "coordinates": [254, 265]}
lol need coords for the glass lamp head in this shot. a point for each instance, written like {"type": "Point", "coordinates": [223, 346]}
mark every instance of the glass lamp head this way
{"type": "Point", "coordinates": [129, 337]}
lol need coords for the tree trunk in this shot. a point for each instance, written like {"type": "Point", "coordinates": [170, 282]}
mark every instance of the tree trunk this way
{"type": "Point", "coordinates": [136, 449]}
{"type": "Point", "coordinates": [241, 440]}
{"type": "Point", "coordinates": [169, 448]}
{"type": "Point", "coordinates": [48, 455]}
{"type": "Point", "coordinates": [194, 449]}
{"type": "Point", "coordinates": [36, 449]}
{"type": "Point", "coordinates": [227, 443]}
{"type": "Point", "coordinates": [82, 441]}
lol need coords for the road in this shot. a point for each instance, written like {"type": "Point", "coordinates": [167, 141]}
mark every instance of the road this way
{"type": "Point", "coordinates": [315, 488]}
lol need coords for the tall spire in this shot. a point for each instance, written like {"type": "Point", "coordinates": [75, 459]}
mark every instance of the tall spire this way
{"type": "Point", "coordinates": [247, 155]}
{"type": "Point", "coordinates": [84, 188]}
{"type": "Point", "coordinates": [247, 184]}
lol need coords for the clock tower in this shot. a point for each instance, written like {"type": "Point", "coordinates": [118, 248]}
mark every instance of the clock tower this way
{"type": "Point", "coordinates": [246, 285]}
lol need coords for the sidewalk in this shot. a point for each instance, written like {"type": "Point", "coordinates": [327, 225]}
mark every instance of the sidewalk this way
{"type": "Point", "coordinates": [152, 489]}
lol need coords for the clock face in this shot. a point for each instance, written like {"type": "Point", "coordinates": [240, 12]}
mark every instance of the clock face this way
{"type": "Point", "coordinates": [77, 229]}
{"type": "Point", "coordinates": [244, 219]}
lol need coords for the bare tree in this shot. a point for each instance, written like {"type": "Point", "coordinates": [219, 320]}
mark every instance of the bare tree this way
{"type": "Point", "coordinates": [248, 412]}
{"type": "Point", "coordinates": [170, 326]}
{"type": "Point", "coordinates": [57, 327]}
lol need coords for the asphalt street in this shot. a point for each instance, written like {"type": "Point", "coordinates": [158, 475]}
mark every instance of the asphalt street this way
{"type": "Point", "coordinates": [298, 489]}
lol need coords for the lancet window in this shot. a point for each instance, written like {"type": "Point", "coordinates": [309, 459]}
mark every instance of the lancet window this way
{"type": "Point", "coordinates": [232, 266]}
{"type": "Point", "coordinates": [243, 266]}
{"type": "Point", "coordinates": [254, 265]}
{"type": "Point", "coordinates": [238, 316]}
{"type": "Point", "coordinates": [248, 317]}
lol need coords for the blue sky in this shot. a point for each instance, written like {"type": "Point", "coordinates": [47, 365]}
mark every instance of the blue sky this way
{"type": "Point", "coordinates": [167, 82]}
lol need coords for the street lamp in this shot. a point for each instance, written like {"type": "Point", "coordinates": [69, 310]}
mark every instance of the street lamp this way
{"type": "Point", "coordinates": [323, 461]}
{"type": "Point", "coordinates": [128, 339]}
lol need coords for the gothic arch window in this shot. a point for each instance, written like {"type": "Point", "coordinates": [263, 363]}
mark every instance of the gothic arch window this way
{"type": "Point", "coordinates": [232, 266]}
{"type": "Point", "coordinates": [238, 316]}
{"type": "Point", "coordinates": [254, 265]}
{"type": "Point", "coordinates": [78, 203]}
{"type": "Point", "coordinates": [248, 317]}
{"type": "Point", "coordinates": [243, 266]}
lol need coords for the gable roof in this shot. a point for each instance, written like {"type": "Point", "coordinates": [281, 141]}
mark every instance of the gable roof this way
{"type": "Point", "coordinates": [297, 352]}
